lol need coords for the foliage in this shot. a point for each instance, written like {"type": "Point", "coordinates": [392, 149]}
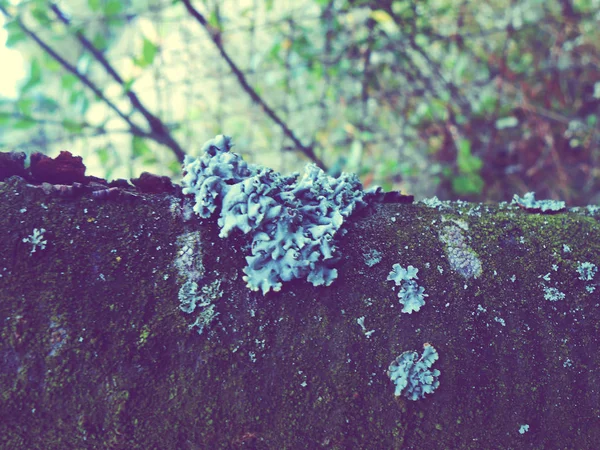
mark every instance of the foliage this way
{"type": "Point", "coordinates": [476, 100]}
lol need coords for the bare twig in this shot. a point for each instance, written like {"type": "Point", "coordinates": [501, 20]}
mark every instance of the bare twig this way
{"type": "Point", "coordinates": [215, 36]}
{"type": "Point", "coordinates": [135, 130]}
{"type": "Point", "coordinates": [434, 66]}
{"type": "Point", "coordinates": [159, 132]}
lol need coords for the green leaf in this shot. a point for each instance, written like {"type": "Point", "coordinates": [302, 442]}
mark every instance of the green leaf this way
{"type": "Point", "coordinates": [72, 126]}
{"type": "Point", "coordinates": [94, 5]}
{"type": "Point", "coordinates": [5, 118]}
{"type": "Point", "coordinates": [100, 41]}
{"type": "Point", "coordinates": [24, 124]}
{"type": "Point", "coordinates": [467, 184]}
{"type": "Point", "coordinates": [464, 147]}
{"type": "Point", "coordinates": [103, 155]}
{"type": "Point", "coordinates": [47, 104]}
{"type": "Point", "coordinates": [214, 20]}
{"type": "Point", "coordinates": [591, 120]}
{"type": "Point", "coordinates": [113, 7]}
{"type": "Point", "coordinates": [422, 40]}
{"type": "Point", "coordinates": [139, 147]}
{"type": "Point", "coordinates": [79, 99]}
{"type": "Point", "coordinates": [127, 85]}
{"type": "Point", "coordinates": [467, 163]}
{"type": "Point", "coordinates": [50, 63]}
{"type": "Point", "coordinates": [462, 63]}
{"type": "Point", "coordinates": [380, 16]}
{"type": "Point", "coordinates": [366, 136]}
{"type": "Point", "coordinates": [15, 33]}
{"type": "Point", "coordinates": [68, 81]}
{"type": "Point", "coordinates": [149, 50]}
{"type": "Point", "coordinates": [35, 76]}
{"type": "Point", "coordinates": [486, 102]}
{"type": "Point", "coordinates": [40, 13]}
{"type": "Point", "coordinates": [25, 105]}
{"type": "Point", "coordinates": [399, 7]}
{"type": "Point", "coordinates": [174, 167]}
{"type": "Point", "coordinates": [274, 52]}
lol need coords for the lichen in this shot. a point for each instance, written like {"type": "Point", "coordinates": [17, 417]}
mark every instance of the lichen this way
{"type": "Point", "coordinates": [36, 239]}
{"type": "Point", "coordinates": [553, 294]}
{"type": "Point", "coordinates": [461, 257]}
{"type": "Point", "coordinates": [293, 222]}
{"type": "Point", "coordinates": [372, 257]}
{"type": "Point", "coordinates": [586, 270]}
{"type": "Point", "coordinates": [529, 203]}
{"type": "Point", "coordinates": [413, 376]}
{"type": "Point", "coordinates": [411, 295]}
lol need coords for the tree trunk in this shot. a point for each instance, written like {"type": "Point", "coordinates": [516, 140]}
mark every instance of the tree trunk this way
{"type": "Point", "coordinates": [96, 351]}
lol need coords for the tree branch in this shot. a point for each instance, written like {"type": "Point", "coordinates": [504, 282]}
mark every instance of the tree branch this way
{"type": "Point", "coordinates": [135, 130]}
{"type": "Point", "coordinates": [159, 132]}
{"type": "Point", "coordinates": [215, 36]}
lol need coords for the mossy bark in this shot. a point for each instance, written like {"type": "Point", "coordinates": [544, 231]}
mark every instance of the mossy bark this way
{"type": "Point", "coordinates": [95, 352]}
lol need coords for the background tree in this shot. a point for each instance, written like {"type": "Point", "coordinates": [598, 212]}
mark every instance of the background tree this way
{"type": "Point", "coordinates": [472, 100]}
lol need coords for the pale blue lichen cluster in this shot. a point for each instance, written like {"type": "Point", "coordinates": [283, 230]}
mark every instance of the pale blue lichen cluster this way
{"type": "Point", "coordinates": [36, 239]}
{"type": "Point", "coordinates": [293, 221]}
{"type": "Point", "coordinates": [200, 300]}
{"type": "Point", "coordinates": [411, 295]}
{"type": "Point", "coordinates": [196, 296]}
{"type": "Point", "coordinates": [553, 294]}
{"type": "Point", "coordinates": [529, 202]}
{"type": "Point", "coordinates": [586, 270]}
{"type": "Point", "coordinates": [412, 375]}
{"type": "Point", "coordinates": [372, 257]}
{"type": "Point", "coordinates": [461, 257]}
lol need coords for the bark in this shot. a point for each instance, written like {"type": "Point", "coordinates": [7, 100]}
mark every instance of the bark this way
{"type": "Point", "coordinates": [96, 353]}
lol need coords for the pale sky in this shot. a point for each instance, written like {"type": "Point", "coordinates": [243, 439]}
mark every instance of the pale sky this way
{"type": "Point", "coordinates": [12, 66]}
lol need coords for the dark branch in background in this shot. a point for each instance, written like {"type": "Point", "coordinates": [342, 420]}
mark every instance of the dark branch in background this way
{"type": "Point", "coordinates": [326, 18]}
{"type": "Point", "coordinates": [215, 36]}
{"type": "Point", "coordinates": [159, 132]}
{"type": "Point", "coordinates": [366, 68]}
{"type": "Point", "coordinates": [454, 92]}
{"type": "Point", "coordinates": [135, 130]}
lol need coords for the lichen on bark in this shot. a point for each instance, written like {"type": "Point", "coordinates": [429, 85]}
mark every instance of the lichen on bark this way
{"type": "Point", "coordinates": [97, 354]}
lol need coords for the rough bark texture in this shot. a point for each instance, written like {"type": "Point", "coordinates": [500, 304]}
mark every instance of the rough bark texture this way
{"type": "Point", "coordinates": [95, 352]}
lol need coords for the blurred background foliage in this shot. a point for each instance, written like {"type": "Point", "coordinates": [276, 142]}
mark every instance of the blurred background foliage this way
{"type": "Point", "coordinates": [460, 99]}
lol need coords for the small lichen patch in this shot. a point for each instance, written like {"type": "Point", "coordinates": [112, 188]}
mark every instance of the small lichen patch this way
{"type": "Point", "coordinates": [36, 239]}
{"type": "Point", "coordinates": [411, 295]}
{"type": "Point", "coordinates": [361, 323]}
{"type": "Point", "coordinates": [529, 203]}
{"type": "Point", "coordinates": [553, 294]}
{"type": "Point", "coordinates": [189, 256]}
{"type": "Point", "coordinates": [192, 298]}
{"type": "Point", "coordinates": [372, 257]}
{"type": "Point", "coordinates": [461, 257]}
{"type": "Point", "coordinates": [413, 376]}
{"type": "Point", "coordinates": [586, 270]}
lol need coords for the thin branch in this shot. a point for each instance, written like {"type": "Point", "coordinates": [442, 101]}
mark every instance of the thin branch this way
{"type": "Point", "coordinates": [366, 75]}
{"type": "Point", "coordinates": [135, 130]}
{"type": "Point", "coordinates": [410, 39]}
{"type": "Point", "coordinates": [215, 36]}
{"type": "Point", "coordinates": [159, 132]}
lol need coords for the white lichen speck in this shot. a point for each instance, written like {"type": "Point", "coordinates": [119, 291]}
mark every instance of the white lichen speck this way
{"type": "Point", "coordinates": [36, 239]}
